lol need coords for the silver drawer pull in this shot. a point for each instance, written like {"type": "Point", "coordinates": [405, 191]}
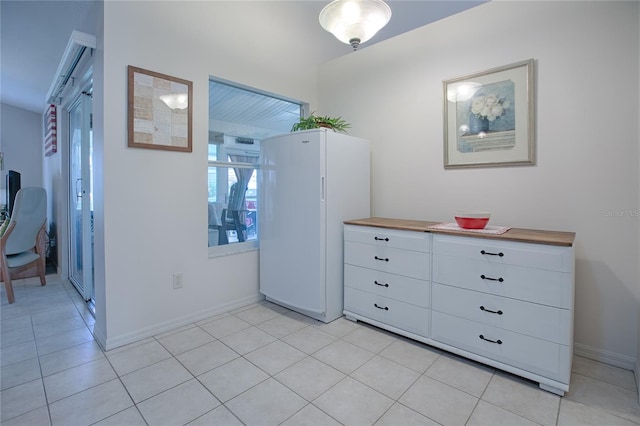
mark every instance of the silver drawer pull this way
{"type": "Point", "coordinates": [380, 307]}
{"type": "Point", "coordinates": [385, 259]}
{"type": "Point", "coordinates": [484, 277]}
{"type": "Point", "coordinates": [491, 254]}
{"type": "Point", "coordinates": [482, 308]}
{"type": "Point", "coordinates": [381, 285]}
{"type": "Point", "coordinates": [381, 239]}
{"type": "Point", "coordinates": [499, 342]}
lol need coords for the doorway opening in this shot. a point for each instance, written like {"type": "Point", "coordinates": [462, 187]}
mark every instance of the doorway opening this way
{"type": "Point", "coordinates": [81, 196]}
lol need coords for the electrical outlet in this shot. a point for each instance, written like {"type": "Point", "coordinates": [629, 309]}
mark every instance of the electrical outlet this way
{"type": "Point", "coordinates": [178, 281]}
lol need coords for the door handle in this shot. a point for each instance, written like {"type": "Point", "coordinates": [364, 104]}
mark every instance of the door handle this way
{"type": "Point", "coordinates": [487, 253]}
{"type": "Point", "coordinates": [482, 308]}
{"type": "Point", "coordinates": [499, 342]}
{"type": "Point", "coordinates": [79, 191]}
{"type": "Point", "coordinates": [484, 277]}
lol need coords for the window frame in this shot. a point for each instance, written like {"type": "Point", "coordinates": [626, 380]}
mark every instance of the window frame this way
{"type": "Point", "coordinates": [251, 245]}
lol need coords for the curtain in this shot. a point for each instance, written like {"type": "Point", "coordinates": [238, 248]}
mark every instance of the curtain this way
{"type": "Point", "coordinates": [243, 174]}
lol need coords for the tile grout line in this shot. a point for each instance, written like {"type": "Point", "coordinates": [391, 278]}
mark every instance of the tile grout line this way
{"type": "Point", "coordinates": [306, 355]}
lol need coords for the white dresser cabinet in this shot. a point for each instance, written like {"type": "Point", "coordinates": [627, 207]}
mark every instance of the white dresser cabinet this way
{"type": "Point", "coordinates": [386, 277]}
{"type": "Point", "coordinates": [506, 300]}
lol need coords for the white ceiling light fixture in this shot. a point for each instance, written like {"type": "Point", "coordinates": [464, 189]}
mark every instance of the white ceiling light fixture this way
{"type": "Point", "coordinates": [355, 21]}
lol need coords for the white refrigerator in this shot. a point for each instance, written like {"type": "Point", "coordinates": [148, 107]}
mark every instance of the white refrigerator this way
{"type": "Point", "coordinates": [309, 182]}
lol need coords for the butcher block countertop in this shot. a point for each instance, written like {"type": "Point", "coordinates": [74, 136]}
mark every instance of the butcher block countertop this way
{"type": "Point", "coordinates": [534, 236]}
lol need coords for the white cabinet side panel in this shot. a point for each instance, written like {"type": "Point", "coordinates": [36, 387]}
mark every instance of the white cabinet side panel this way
{"type": "Point", "coordinates": [348, 197]}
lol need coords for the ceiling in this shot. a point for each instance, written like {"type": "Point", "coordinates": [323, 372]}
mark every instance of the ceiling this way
{"type": "Point", "coordinates": [34, 34]}
{"type": "Point", "coordinates": [239, 112]}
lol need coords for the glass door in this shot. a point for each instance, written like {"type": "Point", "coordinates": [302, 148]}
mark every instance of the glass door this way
{"type": "Point", "coordinates": [80, 196]}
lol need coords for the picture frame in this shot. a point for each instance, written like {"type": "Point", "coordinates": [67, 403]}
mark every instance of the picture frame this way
{"type": "Point", "coordinates": [489, 118]}
{"type": "Point", "coordinates": [160, 111]}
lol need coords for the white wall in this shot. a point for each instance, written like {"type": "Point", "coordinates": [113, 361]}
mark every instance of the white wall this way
{"type": "Point", "coordinates": [22, 144]}
{"type": "Point", "coordinates": [587, 175]}
{"type": "Point", "coordinates": [151, 209]}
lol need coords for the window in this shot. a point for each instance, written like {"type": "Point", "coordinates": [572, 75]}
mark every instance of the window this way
{"type": "Point", "coordinates": [239, 118]}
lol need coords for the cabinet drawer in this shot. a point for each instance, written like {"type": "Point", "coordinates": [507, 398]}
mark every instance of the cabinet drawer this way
{"type": "Point", "coordinates": [398, 287]}
{"type": "Point", "coordinates": [528, 353]}
{"type": "Point", "coordinates": [551, 288]}
{"type": "Point", "coordinates": [402, 315]}
{"type": "Point", "coordinates": [554, 258]}
{"type": "Point", "coordinates": [409, 240]}
{"type": "Point", "coordinates": [413, 264]}
{"type": "Point", "coordinates": [540, 321]}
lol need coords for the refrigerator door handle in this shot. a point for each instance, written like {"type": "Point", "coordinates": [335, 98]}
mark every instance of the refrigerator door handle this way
{"type": "Point", "coordinates": [322, 193]}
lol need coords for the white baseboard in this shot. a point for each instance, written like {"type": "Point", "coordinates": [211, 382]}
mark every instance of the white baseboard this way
{"type": "Point", "coordinates": [117, 341]}
{"type": "Point", "coordinates": [611, 358]}
{"type": "Point", "coordinates": [100, 337]}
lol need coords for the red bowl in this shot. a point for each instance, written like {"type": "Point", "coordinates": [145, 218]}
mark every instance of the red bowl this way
{"type": "Point", "coordinates": [472, 219]}
{"type": "Point", "coordinates": [471, 222]}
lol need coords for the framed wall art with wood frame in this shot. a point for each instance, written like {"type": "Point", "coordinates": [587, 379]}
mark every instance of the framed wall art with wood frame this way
{"type": "Point", "coordinates": [159, 111]}
{"type": "Point", "coordinates": [489, 118]}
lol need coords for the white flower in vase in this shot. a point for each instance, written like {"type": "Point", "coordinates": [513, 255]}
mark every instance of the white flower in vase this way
{"type": "Point", "coordinates": [488, 107]}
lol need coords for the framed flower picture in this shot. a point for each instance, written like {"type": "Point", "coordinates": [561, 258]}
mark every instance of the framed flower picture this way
{"type": "Point", "coordinates": [489, 118]}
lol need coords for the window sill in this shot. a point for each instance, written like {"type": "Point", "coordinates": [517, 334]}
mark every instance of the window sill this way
{"type": "Point", "coordinates": [234, 248]}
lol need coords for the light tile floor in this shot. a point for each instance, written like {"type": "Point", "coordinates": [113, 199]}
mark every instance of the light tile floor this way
{"type": "Point", "coordinates": [266, 365]}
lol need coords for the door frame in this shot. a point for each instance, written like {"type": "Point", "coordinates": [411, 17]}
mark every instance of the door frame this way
{"type": "Point", "coordinates": [82, 80]}
{"type": "Point", "coordinates": [84, 282]}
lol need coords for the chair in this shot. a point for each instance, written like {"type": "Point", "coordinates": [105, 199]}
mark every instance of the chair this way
{"type": "Point", "coordinates": [22, 243]}
{"type": "Point", "coordinates": [215, 222]}
{"type": "Point", "coordinates": [233, 216]}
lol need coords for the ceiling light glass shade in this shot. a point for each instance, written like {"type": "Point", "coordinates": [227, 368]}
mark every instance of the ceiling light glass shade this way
{"type": "Point", "coordinates": [176, 100]}
{"type": "Point", "coordinates": [355, 21]}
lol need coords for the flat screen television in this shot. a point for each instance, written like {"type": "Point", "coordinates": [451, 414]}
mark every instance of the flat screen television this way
{"type": "Point", "coordinates": [13, 186]}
